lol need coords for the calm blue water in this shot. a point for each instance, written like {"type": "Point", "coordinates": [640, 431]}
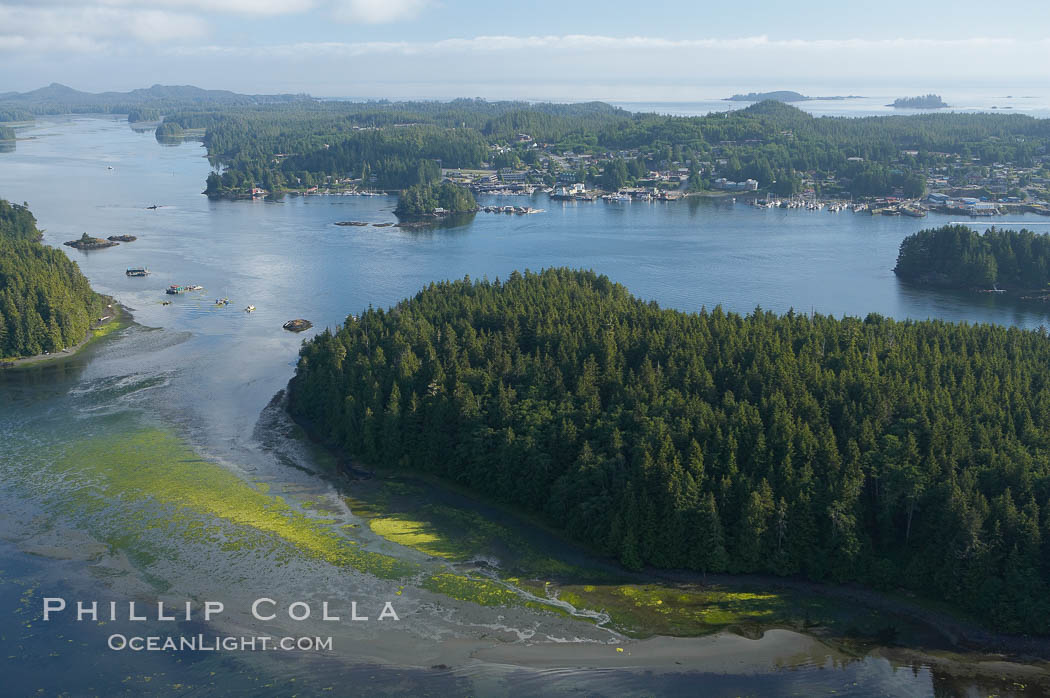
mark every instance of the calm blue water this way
{"type": "Point", "coordinates": [207, 373]}
{"type": "Point", "coordinates": [871, 101]}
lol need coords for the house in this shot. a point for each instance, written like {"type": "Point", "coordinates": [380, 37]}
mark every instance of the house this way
{"type": "Point", "coordinates": [727, 185]}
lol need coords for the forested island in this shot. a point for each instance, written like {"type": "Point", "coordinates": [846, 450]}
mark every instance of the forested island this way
{"type": "Point", "coordinates": [780, 96]}
{"type": "Point", "coordinates": [169, 131]}
{"type": "Point", "coordinates": [895, 454]}
{"type": "Point", "coordinates": [930, 101]}
{"type": "Point", "coordinates": [956, 256]}
{"type": "Point", "coordinates": [428, 200]}
{"type": "Point", "coordinates": [46, 303]}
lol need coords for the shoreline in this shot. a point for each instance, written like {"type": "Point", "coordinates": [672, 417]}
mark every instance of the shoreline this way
{"type": "Point", "coordinates": [121, 318]}
{"type": "Point", "coordinates": [967, 644]}
{"type": "Point", "coordinates": [1038, 295]}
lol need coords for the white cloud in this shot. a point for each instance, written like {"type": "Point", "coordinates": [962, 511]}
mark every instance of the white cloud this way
{"type": "Point", "coordinates": [377, 11]}
{"type": "Point", "coordinates": [587, 44]}
{"type": "Point", "coordinates": [246, 7]}
{"type": "Point", "coordinates": [90, 28]}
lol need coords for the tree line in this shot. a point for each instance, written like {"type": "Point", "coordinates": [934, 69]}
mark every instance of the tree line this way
{"type": "Point", "coordinates": [896, 454]}
{"type": "Point", "coordinates": [46, 303]}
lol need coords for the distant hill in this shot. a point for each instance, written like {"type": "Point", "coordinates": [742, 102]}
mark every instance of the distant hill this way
{"type": "Point", "coordinates": [62, 99]}
{"type": "Point", "coordinates": [58, 93]}
{"type": "Point", "coordinates": [779, 96]}
{"type": "Point", "coordinates": [930, 101]}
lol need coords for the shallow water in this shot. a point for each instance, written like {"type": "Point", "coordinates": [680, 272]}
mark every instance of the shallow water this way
{"type": "Point", "coordinates": [150, 466]}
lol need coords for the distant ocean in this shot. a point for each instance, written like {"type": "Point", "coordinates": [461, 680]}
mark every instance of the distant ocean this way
{"type": "Point", "coordinates": [996, 100]}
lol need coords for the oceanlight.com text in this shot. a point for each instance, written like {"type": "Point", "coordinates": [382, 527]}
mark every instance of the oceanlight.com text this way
{"type": "Point", "coordinates": [216, 643]}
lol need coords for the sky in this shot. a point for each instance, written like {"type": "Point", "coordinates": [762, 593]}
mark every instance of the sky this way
{"type": "Point", "coordinates": [538, 49]}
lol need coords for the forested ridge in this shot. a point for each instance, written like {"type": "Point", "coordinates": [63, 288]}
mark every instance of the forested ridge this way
{"type": "Point", "coordinates": [143, 104]}
{"type": "Point", "coordinates": [959, 257]}
{"type": "Point", "coordinates": [896, 454]}
{"type": "Point", "coordinates": [46, 303]}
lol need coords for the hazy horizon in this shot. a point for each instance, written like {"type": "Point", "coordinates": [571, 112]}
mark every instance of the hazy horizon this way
{"type": "Point", "coordinates": [614, 50]}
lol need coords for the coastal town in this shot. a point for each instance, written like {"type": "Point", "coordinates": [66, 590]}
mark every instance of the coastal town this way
{"type": "Point", "coordinates": [952, 183]}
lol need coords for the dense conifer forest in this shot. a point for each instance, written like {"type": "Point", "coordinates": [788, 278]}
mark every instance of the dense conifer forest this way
{"type": "Point", "coordinates": [955, 256]}
{"type": "Point", "coordinates": [46, 304]}
{"type": "Point", "coordinates": [896, 454]}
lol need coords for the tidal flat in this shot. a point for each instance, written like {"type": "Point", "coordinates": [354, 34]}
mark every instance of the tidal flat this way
{"type": "Point", "coordinates": [151, 466]}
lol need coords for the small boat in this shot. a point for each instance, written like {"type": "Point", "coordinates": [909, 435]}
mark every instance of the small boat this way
{"type": "Point", "coordinates": [137, 271]}
{"type": "Point", "coordinates": [109, 167]}
{"type": "Point", "coordinates": [165, 302]}
{"type": "Point", "coordinates": [154, 207]}
{"type": "Point", "coordinates": [250, 309]}
{"type": "Point", "coordinates": [222, 301]}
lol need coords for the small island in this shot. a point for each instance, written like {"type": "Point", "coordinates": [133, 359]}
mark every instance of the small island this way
{"type": "Point", "coordinates": [930, 101]}
{"type": "Point", "coordinates": [1009, 262]}
{"type": "Point", "coordinates": [169, 130]}
{"type": "Point", "coordinates": [122, 238]}
{"type": "Point", "coordinates": [423, 201]}
{"type": "Point", "coordinates": [298, 325]}
{"type": "Point", "coordinates": [780, 96]}
{"type": "Point", "coordinates": [86, 242]}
